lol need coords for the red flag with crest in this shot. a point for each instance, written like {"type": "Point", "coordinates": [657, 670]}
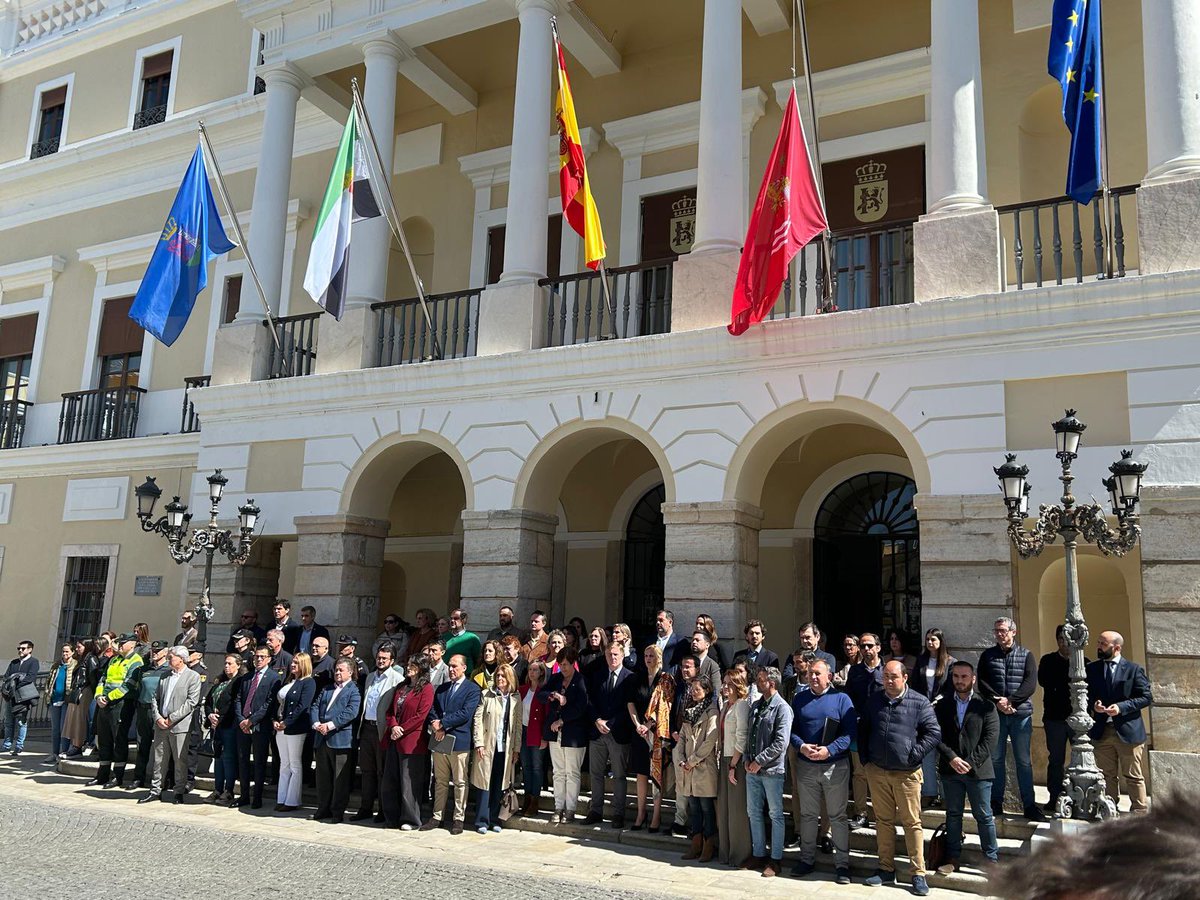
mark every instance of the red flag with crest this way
{"type": "Point", "coordinates": [787, 215]}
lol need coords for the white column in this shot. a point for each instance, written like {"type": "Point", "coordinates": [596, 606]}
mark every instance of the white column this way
{"type": "Point", "coordinates": [372, 237]}
{"type": "Point", "coordinates": [268, 213]}
{"type": "Point", "coordinates": [1171, 45]}
{"type": "Point", "coordinates": [957, 167]}
{"type": "Point", "coordinates": [719, 206]}
{"type": "Point", "coordinates": [525, 224]}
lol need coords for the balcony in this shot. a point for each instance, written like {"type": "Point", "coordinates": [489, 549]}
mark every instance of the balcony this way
{"type": "Point", "coordinates": [151, 115]}
{"type": "Point", "coordinates": [405, 336]}
{"type": "Point", "coordinates": [103, 414]}
{"type": "Point", "coordinates": [12, 423]}
{"type": "Point", "coordinates": [295, 352]}
{"type": "Point", "coordinates": [189, 422]}
{"type": "Point", "coordinates": [44, 148]}
{"type": "Point", "coordinates": [638, 302]}
{"type": "Point", "coordinates": [871, 269]}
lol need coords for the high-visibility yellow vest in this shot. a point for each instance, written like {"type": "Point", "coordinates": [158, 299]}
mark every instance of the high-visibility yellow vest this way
{"type": "Point", "coordinates": [118, 677]}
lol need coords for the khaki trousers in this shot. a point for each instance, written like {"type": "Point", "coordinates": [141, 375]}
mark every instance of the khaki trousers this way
{"type": "Point", "coordinates": [450, 768]}
{"type": "Point", "coordinates": [897, 795]}
{"type": "Point", "coordinates": [1117, 758]}
{"type": "Point", "coordinates": [859, 784]}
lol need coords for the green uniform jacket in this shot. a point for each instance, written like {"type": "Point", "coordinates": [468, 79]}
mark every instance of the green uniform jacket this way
{"type": "Point", "coordinates": [118, 677]}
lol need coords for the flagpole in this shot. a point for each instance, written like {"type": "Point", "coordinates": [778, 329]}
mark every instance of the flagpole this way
{"type": "Point", "coordinates": [819, 175]}
{"type": "Point", "coordinates": [612, 307]}
{"type": "Point", "coordinates": [237, 228]}
{"type": "Point", "coordinates": [1109, 237]}
{"type": "Point", "coordinates": [391, 215]}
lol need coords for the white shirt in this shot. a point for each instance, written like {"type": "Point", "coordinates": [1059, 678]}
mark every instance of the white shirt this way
{"type": "Point", "coordinates": [283, 692]}
{"type": "Point", "coordinates": [526, 706]}
{"type": "Point", "coordinates": [172, 680]}
{"type": "Point", "coordinates": [337, 689]}
{"type": "Point", "coordinates": [661, 643]}
{"type": "Point", "coordinates": [501, 735]}
{"type": "Point", "coordinates": [374, 691]}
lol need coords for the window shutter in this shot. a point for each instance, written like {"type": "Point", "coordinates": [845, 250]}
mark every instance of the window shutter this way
{"type": "Point", "coordinates": [233, 298]}
{"type": "Point", "coordinates": [16, 336]}
{"type": "Point", "coordinates": [118, 332]}
{"type": "Point", "coordinates": [54, 97]}
{"type": "Point", "coordinates": [159, 64]}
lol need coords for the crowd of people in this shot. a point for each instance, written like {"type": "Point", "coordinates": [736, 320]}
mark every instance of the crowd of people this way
{"type": "Point", "coordinates": [438, 711]}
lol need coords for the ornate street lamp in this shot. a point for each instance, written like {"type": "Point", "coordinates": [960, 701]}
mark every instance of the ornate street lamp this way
{"type": "Point", "coordinates": [208, 540]}
{"type": "Point", "coordinates": [1083, 794]}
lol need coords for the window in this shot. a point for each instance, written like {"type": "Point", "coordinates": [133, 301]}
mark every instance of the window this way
{"type": "Point", "coordinates": [156, 89]}
{"type": "Point", "coordinates": [233, 299]}
{"type": "Point", "coordinates": [16, 357]}
{"type": "Point", "coordinates": [120, 346]}
{"type": "Point", "coordinates": [495, 249]}
{"type": "Point", "coordinates": [260, 86]}
{"type": "Point", "coordinates": [50, 122]}
{"type": "Point", "coordinates": [83, 597]}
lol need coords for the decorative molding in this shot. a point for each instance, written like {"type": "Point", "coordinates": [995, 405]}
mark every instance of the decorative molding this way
{"type": "Point", "coordinates": [67, 81]}
{"type": "Point", "coordinates": [175, 45]}
{"type": "Point", "coordinates": [677, 126]}
{"type": "Point", "coordinates": [169, 451]}
{"type": "Point", "coordinates": [814, 496]}
{"type": "Point", "coordinates": [488, 168]}
{"type": "Point", "coordinates": [6, 492]}
{"type": "Point", "coordinates": [96, 499]}
{"type": "Point", "coordinates": [424, 543]}
{"type": "Point", "coordinates": [872, 82]}
{"type": "Point", "coordinates": [31, 273]}
{"type": "Point", "coordinates": [112, 551]}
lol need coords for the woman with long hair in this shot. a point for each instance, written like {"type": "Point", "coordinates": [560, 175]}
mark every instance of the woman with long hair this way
{"type": "Point", "coordinates": [79, 698]}
{"type": "Point", "coordinates": [491, 657]}
{"type": "Point", "coordinates": [221, 716]}
{"type": "Point", "coordinates": [293, 723]}
{"type": "Point", "coordinates": [733, 726]}
{"type": "Point", "coordinates": [426, 620]}
{"type": "Point", "coordinates": [406, 746]}
{"type": "Point", "coordinates": [850, 656]}
{"type": "Point", "coordinates": [657, 718]}
{"type": "Point", "coordinates": [639, 755]}
{"type": "Point", "coordinates": [567, 733]}
{"type": "Point", "coordinates": [533, 746]}
{"type": "Point", "coordinates": [58, 685]}
{"type": "Point", "coordinates": [931, 679]}
{"type": "Point", "coordinates": [497, 734]}
{"type": "Point", "coordinates": [895, 646]}
{"type": "Point", "coordinates": [622, 634]}
{"type": "Point", "coordinates": [141, 631]}
{"type": "Point", "coordinates": [695, 759]}
{"type": "Point", "coordinates": [556, 642]}
{"type": "Point", "coordinates": [708, 625]}
{"type": "Point", "coordinates": [595, 648]}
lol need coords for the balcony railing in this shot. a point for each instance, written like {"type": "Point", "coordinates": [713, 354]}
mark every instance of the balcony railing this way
{"type": "Point", "coordinates": [44, 148]}
{"type": "Point", "coordinates": [151, 115]}
{"type": "Point", "coordinates": [639, 303]}
{"type": "Point", "coordinates": [404, 334]}
{"type": "Point", "coordinates": [871, 268]}
{"type": "Point", "coordinates": [1060, 235]}
{"type": "Point", "coordinates": [103, 414]}
{"type": "Point", "coordinates": [189, 421]}
{"type": "Point", "coordinates": [296, 353]}
{"type": "Point", "coordinates": [12, 423]}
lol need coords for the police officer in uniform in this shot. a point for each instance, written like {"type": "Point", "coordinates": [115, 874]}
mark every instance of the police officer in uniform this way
{"type": "Point", "coordinates": [148, 677]}
{"type": "Point", "coordinates": [112, 693]}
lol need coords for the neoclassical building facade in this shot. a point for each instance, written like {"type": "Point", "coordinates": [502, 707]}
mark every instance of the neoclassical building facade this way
{"type": "Point", "coordinates": [540, 447]}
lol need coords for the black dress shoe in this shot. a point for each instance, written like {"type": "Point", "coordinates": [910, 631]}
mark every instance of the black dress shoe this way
{"type": "Point", "coordinates": [319, 815]}
{"type": "Point", "coordinates": [93, 782]}
{"type": "Point", "coordinates": [178, 798]}
{"type": "Point", "coordinates": [618, 823]}
{"type": "Point", "coordinates": [335, 820]}
{"type": "Point", "coordinates": [240, 802]}
{"type": "Point", "coordinates": [254, 804]}
{"type": "Point", "coordinates": [1034, 814]}
{"type": "Point", "coordinates": [428, 825]}
{"type": "Point", "coordinates": [456, 828]}
{"type": "Point", "coordinates": [593, 819]}
{"type": "Point", "coordinates": [360, 815]}
{"type": "Point", "coordinates": [149, 798]}
{"type": "Point", "coordinates": [111, 783]}
{"type": "Point", "coordinates": [380, 818]}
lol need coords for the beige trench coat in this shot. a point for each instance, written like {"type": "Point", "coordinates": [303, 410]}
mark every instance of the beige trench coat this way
{"type": "Point", "coordinates": [487, 725]}
{"type": "Point", "coordinates": [697, 745]}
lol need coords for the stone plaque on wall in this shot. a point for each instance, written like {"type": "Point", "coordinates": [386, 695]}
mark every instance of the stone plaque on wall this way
{"type": "Point", "coordinates": [147, 585]}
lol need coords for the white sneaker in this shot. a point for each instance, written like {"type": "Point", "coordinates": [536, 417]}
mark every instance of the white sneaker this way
{"type": "Point", "coordinates": [406, 827]}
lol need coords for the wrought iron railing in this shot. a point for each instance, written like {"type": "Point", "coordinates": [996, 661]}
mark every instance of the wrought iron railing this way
{"type": "Point", "coordinates": [871, 268]}
{"type": "Point", "coordinates": [151, 115]}
{"type": "Point", "coordinates": [188, 420]}
{"type": "Point", "coordinates": [44, 148]}
{"type": "Point", "coordinates": [638, 303]}
{"type": "Point", "coordinates": [12, 423]}
{"type": "Point", "coordinates": [296, 353]}
{"type": "Point", "coordinates": [1065, 237]}
{"type": "Point", "coordinates": [404, 335]}
{"type": "Point", "coordinates": [103, 414]}
{"type": "Point", "coordinates": [260, 86]}
{"type": "Point", "coordinates": [39, 713]}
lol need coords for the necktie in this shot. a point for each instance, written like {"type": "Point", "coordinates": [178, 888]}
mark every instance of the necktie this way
{"type": "Point", "coordinates": [1111, 671]}
{"type": "Point", "coordinates": [253, 688]}
{"type": "Point", "coordinates": [612, 682]}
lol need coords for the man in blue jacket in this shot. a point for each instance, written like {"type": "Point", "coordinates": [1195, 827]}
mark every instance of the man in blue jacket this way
{"type": "Point", "coordinates": [334, 713]}
{"type": "Point", "coordinates": [823, 725]}
{"type": "Point", "coordinates": [452, 716]}
{"type": "Point", "coordinates": [897, 731]}
{"type": "Point", "coordinates": [1118, 691]}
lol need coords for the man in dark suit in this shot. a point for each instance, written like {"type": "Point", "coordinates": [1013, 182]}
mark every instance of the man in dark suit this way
{"type": "Point", "coordinates": [333, 715]}
{"type": "Point", "coordinates": [755, 654]}
{"type": "Point", "coordinates": [674, 648]}
{"type": "Point", "coordinates": [291, 630]}
{"type": "Point", "coordinates": [610, 733]}
{"type": "Point", "coordinates": [452, 716]}
{"type": "Point", "coordinates": [310, 629]}
{"type": "Point", "coordinates": [810, 639]}
{"type": "Point", "coordinates": [248, 622]}
{"type": "Point", "coordinates": [1118, 691]}
{"type": "Point", "coordinates": [255, 698]}
{"type": "Point", "coordinates": [970, 729]}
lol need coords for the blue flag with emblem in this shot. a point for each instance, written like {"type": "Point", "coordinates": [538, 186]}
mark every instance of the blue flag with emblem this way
{"type": "Point", "coordinates": [178, 269]}
{"type": "Point", "coordinates": [1074, 60]}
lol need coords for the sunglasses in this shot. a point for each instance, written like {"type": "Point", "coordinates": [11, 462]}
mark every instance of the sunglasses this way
{"type": "Point", "coordinates": [867, 646]}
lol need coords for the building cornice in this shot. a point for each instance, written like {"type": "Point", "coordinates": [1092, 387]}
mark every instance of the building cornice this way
{"type": "Point", "coordinates": [170, 451]}
{"type": "Point", "coordinates": [30, 273]}
{"type": "Point", "coordinates": [872, 82]}
{"type": "Point", "coordinates": [677, 126]}
{"type": "Point", "coordinates": [491, 167]}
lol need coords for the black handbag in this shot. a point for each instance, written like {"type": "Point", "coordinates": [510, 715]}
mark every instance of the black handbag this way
{"type": "Point", "coordinates": [935, 856]}
{"type": "Point", "coordinates": [26, 693]}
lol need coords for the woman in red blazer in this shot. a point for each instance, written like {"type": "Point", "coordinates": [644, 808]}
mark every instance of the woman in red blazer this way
{"type": "Point", "coordinates": [406, 746]}
{"type": "Point", "coordinates": [533, 747]}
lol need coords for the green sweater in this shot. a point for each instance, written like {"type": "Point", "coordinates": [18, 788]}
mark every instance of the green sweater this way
{"type": "Point", "coordinates": [467, 644]}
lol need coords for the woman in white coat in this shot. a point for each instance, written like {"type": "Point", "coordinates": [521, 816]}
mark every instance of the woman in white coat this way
{"type": "Point", "coordinates": [497, 734]}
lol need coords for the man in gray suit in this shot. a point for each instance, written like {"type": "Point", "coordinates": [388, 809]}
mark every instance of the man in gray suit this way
{"type": "Point", "coordinates": [174, 705]}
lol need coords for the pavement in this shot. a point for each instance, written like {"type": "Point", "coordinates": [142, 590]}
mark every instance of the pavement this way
{"type": "Point", "coordinates": [207, 850]}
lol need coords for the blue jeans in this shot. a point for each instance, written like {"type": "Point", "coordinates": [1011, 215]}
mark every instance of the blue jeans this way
{"type": "Point", "coordinates": [17, 725]}
{"type": "Point", "coordinates": [225, 765]}
{"type": "Point", "coordinates": [533, 769]}
{"type": "Point", "coordinates": [58, 718]}
{"type": "Point", "coordinates": [957, 789]}
{"type": "Point", "coordinates": [702, 816]}
{"type": "Point", "coordinates": [765, 791]}
{"type": "Point", "coordinates": [929, 784]}
{"type": "Point", "coordinates": [487, 804]}
{"type": "Point", "coordinates": [1020, 729]}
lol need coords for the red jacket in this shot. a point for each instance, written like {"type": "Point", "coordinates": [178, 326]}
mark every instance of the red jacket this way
{"type": "Point", "coordinates": [411, 716]}
{"type": "Point", "coordinates": [537, 716]}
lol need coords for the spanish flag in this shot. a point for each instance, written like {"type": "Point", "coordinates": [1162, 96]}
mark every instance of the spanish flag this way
{"type": "Point", "coordinates": [577, 202]}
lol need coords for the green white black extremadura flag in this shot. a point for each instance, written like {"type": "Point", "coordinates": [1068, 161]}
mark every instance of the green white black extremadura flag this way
{"type": "Point", "coordinates": [349, 197]}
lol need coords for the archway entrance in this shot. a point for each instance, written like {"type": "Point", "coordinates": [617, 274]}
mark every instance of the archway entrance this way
{"type": "Point", "coordinates": [645, 564]}
{"type": "Point", "coordinates": [866, 571]}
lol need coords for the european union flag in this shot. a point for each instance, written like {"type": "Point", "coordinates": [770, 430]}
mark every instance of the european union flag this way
{"type": "Point", "coordinates": [178, 270]}
{"type": "Point", "coordinates": [1074, 59]}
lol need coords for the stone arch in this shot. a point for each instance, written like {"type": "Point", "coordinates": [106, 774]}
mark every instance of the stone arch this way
{"type": "Point", "coordinates": [1110, 602]}
{"type": "Point", "coordinates": [629, 500]}
{"type": "Point", "coordinates": [372, 481]}
{"type": "Point", "coordinates": [810, 502]}
{"type": "Point", "coordinates": [546, 468]}
{"type": "Point", "coordinates": [771, 435]}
